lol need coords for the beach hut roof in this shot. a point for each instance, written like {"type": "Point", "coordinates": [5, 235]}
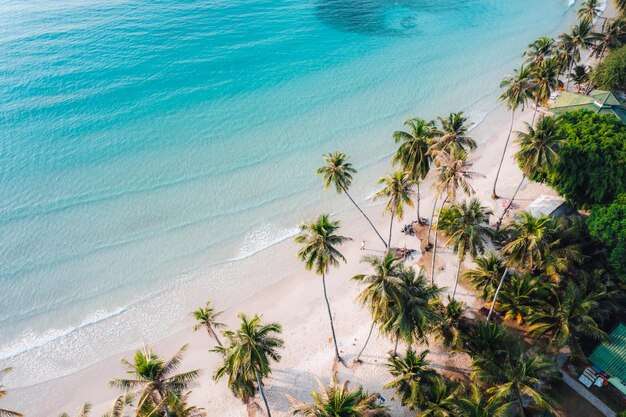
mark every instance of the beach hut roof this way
{"type": "Point", "coordinates": [545, 205]}
{"type": "Point", "coordinates": [598, 101]}
{"type": "Point", "coordinates": [610, 356]}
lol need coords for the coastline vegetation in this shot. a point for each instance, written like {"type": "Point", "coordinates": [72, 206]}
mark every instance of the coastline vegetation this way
{"type": "Point", "coordinates": [553, 285]}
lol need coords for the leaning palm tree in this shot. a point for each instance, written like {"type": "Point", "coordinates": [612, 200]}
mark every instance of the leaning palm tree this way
{"type": "Point", "coordinates": [589, 10]}
{"type": "Point", "coordinates": [486, 275]}
{"type": "Point", "coordinates": [565, 318]}
{"type": "Point", "coordinates": [154, 378]}
{"type": "Point", "coordinates": [612, 37]}
{"type": "Point", "coordinates": [516, 377]}
{"type": "Point", "coordinates": [5, 412]}
{"type": "Point", "coordinates": [546, 80]}
{"type": "Point", "coordinates": [207, 318]}
{"type": "Point", "coordinates": [475, 403]}
{"type": "Point", "coordinates": [519, 88]}
{"type": "Point", "coordinates": [248, 354]}
{"type": "Point", "coordinates": [412, 377]}
{"type": "Point", "coordinates": [383, 290]}
{"type": "Point", "coordinates": [580, 76]}
{"type": "Point", "coordinates": [454, 173]}
{"type": "Point", "coordinates": [338, 400]}
{"type": "Point", "coordinates": [442, 399]}
{"type": "Point", "coordinates": [338, 172]}
{"type": "Point", "coordinates": [319, 252]}
{"type": "Point", "coordinates": [413, 154]}
{"type": "Point", "coordinates": [540, 50]}
{"type": "Point", "coordinates": [398, 189]}
{"type": "Point", "coordinates": [453, 134]}
{"type": "Point", "coordinates": [466, 225]}
{"type": "Point", "coordinates": [538, 152]}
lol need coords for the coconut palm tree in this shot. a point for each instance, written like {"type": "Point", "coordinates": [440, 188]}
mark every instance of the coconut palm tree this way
{"type": "Point", "coordinates": [154, 378]}
{"type": "Point", "coordinates": [519, 88]}
{"type": "Point", "coordinates": [475, 403]}
{"type": "Point", "coordinates": [82, 412]}
{"type": "Point", "coordinates": [564, 318]}
{"type": "Point", "coordinates": [453, 134]}
{"type": "Point", "coordinates": [546, 80]}
{"type": "Point", "coordinates": [580, 76]}
{"type": "Point", "coordinates": [413, 154]}
{"type": "Point", "coordinates": [5, 412]}
{"type": "Point", "coordinates": [519, 295]}
{"type": "Point", "coordinates": [449, 331]}
{"type": "Point", "coordinates": [383, 290]}
{"type": "Point", "coordinates": [412, 377]}
{"type": "Point", "coordinates": [529, 245]}
{"type": "Point", "coordinates": [540, 50]}
{"type": "Point", "coordinates": [538, 152]}
{"type": "Point", "coordinates": [207, 318]}
{"type": "Point", "coordinates": [611, 38]}
{"type": "Point", "coordinates": [466, 225]}
{"type": "Point", "coordinates": [454, 172]}
{"type": "Point", "coordinates": [589, 10]}
{"type": "Point", "coordinates": [339, 400]}
{"type": "Point", "coordinates": [338, 172]}
{"type": "Point", "coordinates": [181, 408]}
{"type": "Point", "coordinates": [488, 340]}
{"type": "Point", "coordinates": [486, 275]}
{"type": "Point", "coordinates": [248, 354]}
{"type": "Point", "coordinates": [319, 252]}
{"type": "Point", "coordinates": [441, 399]}
{"type": "Point", "coordinates": [580, 37]}
{"type": "Point", "coordinates": [398, 189]}
{"type": "Point", "coordinates": [516, 377]}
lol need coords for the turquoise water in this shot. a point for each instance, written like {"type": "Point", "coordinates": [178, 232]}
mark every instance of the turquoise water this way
{"type": "Point", "coordinates": [145, 143]}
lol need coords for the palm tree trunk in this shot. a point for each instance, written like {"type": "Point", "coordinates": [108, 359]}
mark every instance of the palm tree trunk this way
{"type": "Point", "coordinates": [508, 206]}
{"type": "Point", "coordinates": [417, 201]}
{"type": "Point", "coordinates": [456, 282]}
{"type": "Point", "coordinates": [358, 357]}
{"type": "Point", "coordinates": [495, 296]}
{"type": "Point", "coordinates": [364, 215]}
{"type": "Point", "coordinates": [432, 271]}
{"type": "Point", "coordinates": [494, 195]}
{"type": "Point", "coordinates": [532, 123]}
{"type": "Point", "coordinates": [214, 335]}
{"type": "Point", "coordinates": [430, 226]}
{"type": "Point", "coordinates": [330, 316]}
{"type": "Point", "coordinates": [395, 347]}
{"type": "Point", "coordinates": [258, 381]}
{"type": "Point", "coordinates": [390, 229]}
{"type": "Point", "coordinates": [569, 71]}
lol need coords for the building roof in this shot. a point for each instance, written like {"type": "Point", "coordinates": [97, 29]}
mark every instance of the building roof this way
{"type": "Point", "coordinates": [610, 356]}
{"type": "Point", "coordinates": [545, 205]}
{"type": "Point", "coordinates": [599, 101]}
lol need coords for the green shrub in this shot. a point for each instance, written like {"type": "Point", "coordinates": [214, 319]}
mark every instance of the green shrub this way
{"type": "Point", "coordinates": [610, 73]}
{"type": "Point", "coordinates": [608, 224]}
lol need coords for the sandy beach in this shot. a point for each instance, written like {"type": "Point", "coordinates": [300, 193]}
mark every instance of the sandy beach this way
{"type": "Point", "coordinates": [296, 301]}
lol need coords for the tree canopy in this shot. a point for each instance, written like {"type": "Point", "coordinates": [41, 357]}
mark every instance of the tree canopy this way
{"type": "Point", "coordinates": [611, 71]}
{"type": "Point", "coordinates": [608, 224]}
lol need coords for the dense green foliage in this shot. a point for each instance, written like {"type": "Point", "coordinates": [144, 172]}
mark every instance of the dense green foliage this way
{"type": "Point", "coordinates": [610, 73]}
{"type": "Point", "coordinates": [608, 224]}
{"type": "Point", "coordinates": [592, 165]}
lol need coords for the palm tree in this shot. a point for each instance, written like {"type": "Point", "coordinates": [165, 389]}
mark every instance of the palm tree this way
{"type": "Point", "coordinates": [539, 50]}
{"type": "Point", "coordinates": [516, 377]}
{"type": "Point", "coordinates": [466, 225]}
{"type": "Point", "coordinates": [338, 172]}
{"type": "Point", "coordinates": [398, 188]}
{"type": "Point", "coordinates": [383, 290]}
{"type": "Point", "coordinates": [155, 378]}
{"type": "Point", "coordinates": [449, 329]}
{"type": "Point", "coordinates": [319, 252]}
{"type": "Point", "coordinates": [519, 295]}
{"type": "Point", "coordinates": [82, 412]}
{"type": "Point", "coordinates": [413, 153]}
{"type": "Point", "coordinates": [546, 80]}
{"type": "Point", "coordinates": [4, 412]}
{"type": "Point", "coordinates": [207, 318]}
{"type": "Point", "coordinates": [117, 410]}
{"type": "Point", "coordinates": [529, 245]}
{"type": "Point", "coordinates": [589, 10]}
{"type": "Point", "coordinates": [564, 318]}
{"type": "Point", "coordinates": [476, 404]}
{"type": "Point", "coordinates": [580, 76]}
{"type": "Point", "coordinates": [486, 275]}
{"type": "Point", "coordinates": [181, 408]}
{"type": "Point", "coordinates": [248, 354]}
{"type": "Point", "coordinates": [441, 399]}
{"type": "Point", "coordinates": [621, 5]}
{"type": "Point", "coordinates": [519, 89]}
{"type": "Point", "coordinates": [538, 152]}
{"type": "Point", "coordinates": [454, 172]}
{"type": "Point", "coordinates": [581, 37]}
{"type": "Point", "coordinates": [453, 134]}
{"type": "Point", "coordinates": [412, 377]}
{"type": "Point", "coordinates": [611, 38]}
{"type": "Point", "coordinates": [338, 400]}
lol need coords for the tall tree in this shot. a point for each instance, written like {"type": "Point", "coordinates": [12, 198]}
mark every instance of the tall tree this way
{"type": "Point", "coordinates": [207, 318]}
{"type": "Point", "coordinates": [518, 296]}
{"type": "Point", "coordinates": [580, 37]}
{"type": "Point", "coordinates": [441, 399]}
{"type": "Point", "coordinates": [155, 378]}
{"type": "Point", "coordinates": [529, 244]}
{"type": "Point", "coordinates": [412, 377]}
{"type": "Point", "coordinates": [546, 80]}
{"type": "Point", "coordinates": [611, 38]}
{"type": "Point", "coordinates": [486, 275]}
{"type": "Point", "coordinates": [453, 134]}
{"type": "Point", "coordinates": [248, 354]}
{"type": "Point", "coordinates": [540, 50]}
{"type": "Point", "coordinates": [589, 10]}
{"type": "Point", "coordinates": [339, 400]}
{"type": "Point", "coordinates": [466, 225]}
{"type": "Point", "coordinates": [413, 153]}
{"type": "Point", "coordinates": [319, 252]}
{"type": "Point", "coordinates": [398, 189]}
{"type": "Point", "coordinates": [580, 76]}
{"type": "Point", "coordinates": [384, 290]}
{"type": "Point", "coordinates": [338, 172]}
{"type": "Point", "coordinates": [519, 89]}
{"type": "Point", "coordinates": [476, 403]}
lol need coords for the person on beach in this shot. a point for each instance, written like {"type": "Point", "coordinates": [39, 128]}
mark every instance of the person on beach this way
{"type": "Point", "coordinates": [362, 245]}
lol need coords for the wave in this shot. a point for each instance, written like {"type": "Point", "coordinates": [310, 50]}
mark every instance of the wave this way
{"type": "Point", "coordinates": [261, 239]}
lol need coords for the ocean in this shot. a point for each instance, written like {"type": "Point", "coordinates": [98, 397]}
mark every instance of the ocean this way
{"type": "Point", "coordinates": [150, 148]}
